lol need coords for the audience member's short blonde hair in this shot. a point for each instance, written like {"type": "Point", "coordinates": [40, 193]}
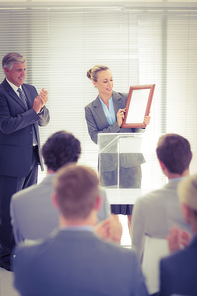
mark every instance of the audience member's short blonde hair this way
{"type": "Point", "coordinates": [187, 191]}
{"type": "Point", "coordinates": [76, 188]}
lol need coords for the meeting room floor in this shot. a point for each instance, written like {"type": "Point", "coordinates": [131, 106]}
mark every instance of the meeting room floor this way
{"type": "Point", "coordinates": [6, 286]}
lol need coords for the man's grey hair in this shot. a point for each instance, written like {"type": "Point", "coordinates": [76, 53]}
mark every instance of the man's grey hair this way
{"type": "Point", "coordinates": [11, 58]}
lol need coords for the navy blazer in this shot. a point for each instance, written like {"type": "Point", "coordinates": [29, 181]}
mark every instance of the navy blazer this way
{"type": "Point", "coordinates": [77, 263]}
{"type": "Point", "coordinates": [178, 272]}
{"type": "Point", "coordinates": [16, 139]}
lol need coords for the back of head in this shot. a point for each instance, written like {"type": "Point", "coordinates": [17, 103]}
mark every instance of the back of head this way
{"type": "Point", "coordinates": [92, 73]}
{"type": "Point", "coordinates": [76, 188]}
{"type": "Point", "coordinates": [187, 192]}
{"type": "Point", "coordinates": [175, 152]}
{"type": "Point", "coordinates": [11, 58]}
{"type": "Point", "coordinates": [59, 149]}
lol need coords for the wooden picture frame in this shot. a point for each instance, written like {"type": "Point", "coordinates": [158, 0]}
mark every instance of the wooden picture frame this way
{"type": "Point", "coordinates": [138, 105]}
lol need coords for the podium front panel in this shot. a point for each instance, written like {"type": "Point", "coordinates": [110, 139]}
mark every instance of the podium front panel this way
{"type": "Point", "coordinates": [128, 166]}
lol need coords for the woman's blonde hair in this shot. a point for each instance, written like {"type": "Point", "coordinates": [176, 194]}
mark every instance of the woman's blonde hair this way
{"type": "Point", "coordinates": [92, 73]}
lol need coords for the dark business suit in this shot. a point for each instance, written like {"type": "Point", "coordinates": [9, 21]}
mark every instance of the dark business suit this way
{"type": "Point", "coordinates": [178, 272]}
{"type": "Point", "coordinates": [77, 263]}
{"type": "Point", "coordinates": [130, 170]}
{"type": "Point", "coordinates": [18, 158]}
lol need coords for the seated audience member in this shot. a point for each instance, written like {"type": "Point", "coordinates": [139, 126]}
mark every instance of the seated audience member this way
{"type": "Point", "coordinates": [178, 272]}
{"type": "Point", "coordinates": [157, 211]}
{"type": "Point", "coordinates": [32, 213]}
{"type": "Point", "coordinates": [73, 260]}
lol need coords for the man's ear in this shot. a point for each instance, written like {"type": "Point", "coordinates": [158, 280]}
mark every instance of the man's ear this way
{"type": "Point", "coordinates": [191, 155]}
{"type": "Point", "coordinates": [54, 201]}
{"type": "Point", "coordinates": [98, 203]}
{"type": "Point", "coordinates": [162, 165]}
{"type": "Point", "coordinates": [7, 70]}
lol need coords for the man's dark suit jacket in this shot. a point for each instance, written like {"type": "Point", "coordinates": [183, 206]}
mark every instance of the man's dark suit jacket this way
{"type": "Point", "coordinates": [178, 272]}
{"type": "Point", "coordinates": [16, 130]}
{"type": "Point", "coordinates": [77, 263]}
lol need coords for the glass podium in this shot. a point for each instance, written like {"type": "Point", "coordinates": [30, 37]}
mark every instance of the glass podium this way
{"type": "Point", "coordinates": [128, 166]}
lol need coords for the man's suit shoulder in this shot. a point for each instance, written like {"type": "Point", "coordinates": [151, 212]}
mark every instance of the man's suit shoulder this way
{"type": "Point", "coordinates": [167, 189]}
{"type": "Point", "coordinates": [189, 253]}
{"type": "Point", "coordinates": [5, 87]}
{"type": "Point", "coordinates": [179, 269]}
{"type": "Point", "coordinates": [2, 88]}
{"type": "Point", "coordinates": [74, 236]}
{"type": "Point", "coordinates": [151, 197]}
{"type": "Point", "coordinates": [155, 202]}
{"type": "Point", "coordinates": [25, 194]}
{"type": "Point", "coordinates": [28, 86]}
{"type": "Point", "coordinates": [36, 189]}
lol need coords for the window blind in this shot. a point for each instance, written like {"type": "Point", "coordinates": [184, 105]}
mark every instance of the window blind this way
{"type": "Point", "coordinates": [139, 46]}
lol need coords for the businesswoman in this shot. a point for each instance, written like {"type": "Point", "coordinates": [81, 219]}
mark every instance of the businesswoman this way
{"type": "Point", "coordinates": [105, 115]}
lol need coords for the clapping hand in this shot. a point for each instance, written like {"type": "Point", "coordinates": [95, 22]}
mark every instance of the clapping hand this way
{"type": "Point", "coordinates": [40, 100]}
{"type": "Point", "coordinates": [177, 239]}
{"type": "Point", "coordinates": [110, 229]}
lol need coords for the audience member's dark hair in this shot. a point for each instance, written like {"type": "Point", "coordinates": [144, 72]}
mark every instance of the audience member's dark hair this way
{"type": "Point", "coordinates": [60, 148]}
{"type": "Point", "coordinates": [76, 187]}
{"type": "Point", "coordinates": [174, 151]}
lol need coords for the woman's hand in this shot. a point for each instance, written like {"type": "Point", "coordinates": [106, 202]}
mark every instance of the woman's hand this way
{"type": "Point", "coordinates": [120, 116]}
{"type": "Point", "coordinates": [147, 119]}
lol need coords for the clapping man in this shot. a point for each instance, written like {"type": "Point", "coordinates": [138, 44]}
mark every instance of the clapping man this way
{"type": "Point", "coordinates": [22, 110]}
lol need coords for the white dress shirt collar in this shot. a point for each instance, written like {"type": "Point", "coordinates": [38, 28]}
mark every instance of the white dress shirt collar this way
{"type": "Point", "coordinates": [15, 88]}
